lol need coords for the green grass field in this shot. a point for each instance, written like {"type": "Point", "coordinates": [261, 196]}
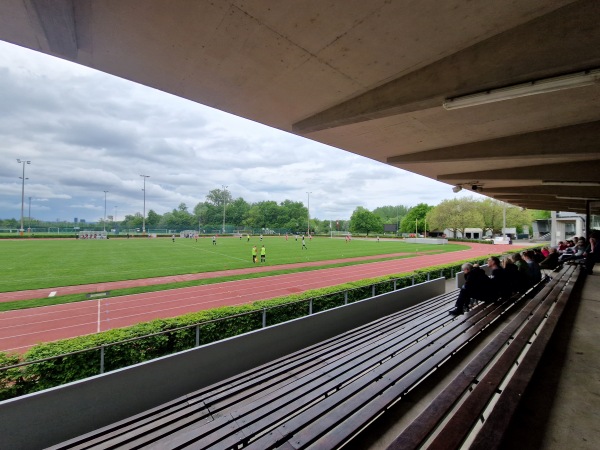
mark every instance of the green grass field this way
{"type": "Point", "coordinates": [34, 264]}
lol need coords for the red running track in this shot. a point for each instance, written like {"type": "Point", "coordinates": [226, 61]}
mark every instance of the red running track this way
{"type": "Point", "coordinates": [21, 329]}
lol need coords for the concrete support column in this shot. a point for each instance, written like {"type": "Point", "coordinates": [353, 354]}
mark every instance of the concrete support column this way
{"type": "Point", "coordinates": [554, 231]}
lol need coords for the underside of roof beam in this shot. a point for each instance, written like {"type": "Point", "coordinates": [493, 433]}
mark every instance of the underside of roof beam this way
{"type": "Point", "coordinates": [581, 171]}
{"type": "Point", "coordinates": [574, 140]}
{"type": "Point", "coordinates": [492, 64]}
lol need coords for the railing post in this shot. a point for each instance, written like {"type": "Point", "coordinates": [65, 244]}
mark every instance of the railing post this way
{"type": "Point", "coordinates": [372, 290]}
{"type": "Point", "coordinates": [310, 307]}
{"type": "Point", "coordinates": [441, 273]}
{"type": "Point", "coordinates": [395, 280]}
{"type": "Point", "coordinates": [345, 297]}
{"type": "Point", "coordinates": [197, 335]}
{"type": "Point", "coordinates": [264, 318]}
{"type": "Point", "coordinates": [428, 275]}
{"type": "Point", "coordinates": [102, 359]}
{"type": "Point", "coordinates": [413, 280]}
{"type": "Point", "coordinates": [451, 272]}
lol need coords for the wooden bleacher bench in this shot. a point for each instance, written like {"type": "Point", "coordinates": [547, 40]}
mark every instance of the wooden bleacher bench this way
{"type": "Point", "coordinates": [314, 398]}
{"type": "Point", "coordinates": [476, 408]}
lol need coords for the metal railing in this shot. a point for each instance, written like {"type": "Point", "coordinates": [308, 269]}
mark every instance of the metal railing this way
{"type": "Point", "coordinates": [197, 326]}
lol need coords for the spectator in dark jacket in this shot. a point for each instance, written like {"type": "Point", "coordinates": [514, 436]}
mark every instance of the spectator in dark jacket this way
{"type": "Point", "coordinates": [512, 275]}
{"type": "Point", "coordinates": [500, 287]}
{"type": "Point", "coordinates": [550, 262]}
{"type": "Point", "coordinates": [535, 274]}
{"type": "Point", "coordinates": [476, 286]}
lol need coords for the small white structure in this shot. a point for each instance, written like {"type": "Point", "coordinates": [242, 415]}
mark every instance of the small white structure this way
{"type": "Point", "coordinates": [92, 234]}
{"type": "Point", "coordinates": [430, 241]}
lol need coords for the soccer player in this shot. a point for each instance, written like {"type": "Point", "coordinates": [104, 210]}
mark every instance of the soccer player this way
{"type": "Point", "coordinates": [254, 254]}
{"type": "Point", "coordinates": [263, 254]}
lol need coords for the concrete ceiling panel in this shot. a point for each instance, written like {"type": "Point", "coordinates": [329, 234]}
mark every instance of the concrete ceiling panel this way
{"type": "Point", "coordinates": [367, 77]}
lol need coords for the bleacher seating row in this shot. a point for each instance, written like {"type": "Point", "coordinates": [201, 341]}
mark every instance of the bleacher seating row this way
{"type": "Point", "coordinates": [476, 408]}
{"type": "Point", "coordinates": [319, 397]}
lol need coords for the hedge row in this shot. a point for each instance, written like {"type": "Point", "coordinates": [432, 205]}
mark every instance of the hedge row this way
{"type": "Point", "coordinates": [234, 320]}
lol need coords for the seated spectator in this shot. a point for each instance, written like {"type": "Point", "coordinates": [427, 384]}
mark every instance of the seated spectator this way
{"type": "Point", "coordinates": [500, 287]}
{"type": "Point", "coordinates": [476, 286]}
{"type": "Point", "coordinates": [538, 256]}
{"type": "Point", "coordinates": [551, 261]}
{"type": "Point", "coordinates": [562, 246]}
{"type": "Point", "coordinates": [545, 252]}
{"type": "Point", "coordinates": [535, 274]}
{"type": "Point", "coordinates": [524, 281]}
{"type": "Point", "coordinates": [572, 254]}
{"type": "Point", "coordinates": [512, 275]}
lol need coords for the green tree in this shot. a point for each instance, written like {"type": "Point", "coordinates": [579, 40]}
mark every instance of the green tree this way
{"type": "Point", "coordinates": [292, 212]}
{"type": "Point", "coordinates": [364, 221]}
{"type": "Point", "coordinates": [236, 211]}
{"type": "Point", "coordinates": [518, 218]}
{"type": "Point", "coordinates": [456, 215]}
{"type": "Point", "coordinates": [202, 212]}
{"type": "Point", "coordinates": [415, 219]}
{"type": "Point", "coordinates": [253, 217]}
{"type": "Point", "coordinates": [217, 197]}
{"type": "Point", "coordinates": [153, 219]}
{"type": "Point", "coordinates": [537, 214]}
{"type": "Point", "coordinates": [133, 221]}
{"type": "Point", "coordinates": [492, 213]}
{"type": "Point", "coordinates": [391, 214]}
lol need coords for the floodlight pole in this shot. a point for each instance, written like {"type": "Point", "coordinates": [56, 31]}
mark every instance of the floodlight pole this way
{"type": "Point", "coordinates": [104, 220]}
{"type": "Point", "coordinates": [224, 203]}
{"type": "Point", "coordinates": [23, 191]}
{"type": "Point", "coordinates": [29, 214]}
{"type": "Point", "coordinates": [144, 216]}
{"type": "Point", "coordinates": [308, 214]}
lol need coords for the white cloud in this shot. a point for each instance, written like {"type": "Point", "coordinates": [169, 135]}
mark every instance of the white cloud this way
{"type": "Point", "coordinates": [86, 132]}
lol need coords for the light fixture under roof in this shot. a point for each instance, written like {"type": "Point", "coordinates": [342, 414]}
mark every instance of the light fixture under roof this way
{"type": "Point", "coordinates": [545, 85]}
{"type": "Point", "coordinates": [571, 183]}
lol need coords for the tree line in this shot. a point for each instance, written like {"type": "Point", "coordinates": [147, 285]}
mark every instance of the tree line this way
{"type": "Point", "coordinates": [454, 215]}
{"type": "Point", "coordinates": [219, 205]}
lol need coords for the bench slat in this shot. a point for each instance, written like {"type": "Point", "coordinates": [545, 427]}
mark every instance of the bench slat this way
{"type": "Point", "coordinates": [418, 431]}
{"type": "Point", "coordinates": [491, 434]}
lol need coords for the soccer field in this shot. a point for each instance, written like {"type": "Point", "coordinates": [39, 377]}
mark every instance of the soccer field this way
{"type": "Point", "coordinates": [37, 263]}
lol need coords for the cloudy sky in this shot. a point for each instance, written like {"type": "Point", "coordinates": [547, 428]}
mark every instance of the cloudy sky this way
{"type": "Point", "coordinates": [86, 132]}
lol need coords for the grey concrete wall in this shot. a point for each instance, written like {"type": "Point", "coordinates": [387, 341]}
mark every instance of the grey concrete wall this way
{"type": "Point", "coordinates": [55, 415]}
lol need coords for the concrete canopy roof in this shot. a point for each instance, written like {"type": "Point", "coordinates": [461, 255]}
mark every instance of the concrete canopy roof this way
{"type": "Point", "coordinates": [368, 77]}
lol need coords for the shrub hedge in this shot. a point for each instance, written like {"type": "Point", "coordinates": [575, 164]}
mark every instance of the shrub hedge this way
{"type": "Point", "coordinates": [70, 366]}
